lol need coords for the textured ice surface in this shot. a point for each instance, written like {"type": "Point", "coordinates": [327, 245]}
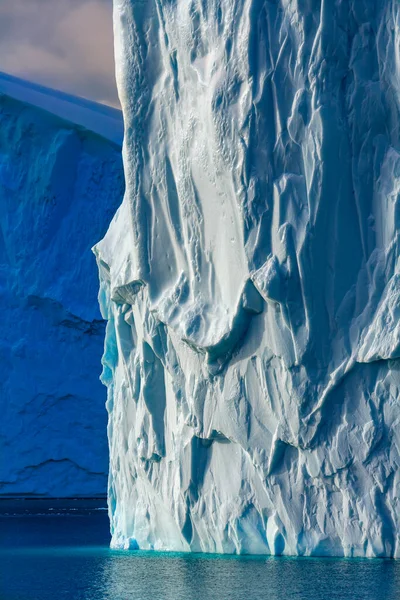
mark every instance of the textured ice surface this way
{"type": "Point", "coordinates": [251, 278]}
{"type": "Point", "coordinates": [60, 184]}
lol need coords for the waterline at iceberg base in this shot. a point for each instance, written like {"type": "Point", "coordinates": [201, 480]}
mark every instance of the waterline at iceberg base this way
{"type": "Point", "coordinates": [251, 278]}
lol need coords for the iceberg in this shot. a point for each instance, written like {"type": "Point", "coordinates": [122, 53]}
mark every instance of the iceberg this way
{"type": "Point", "coordinates": [61, 180]}
{"type": "Point", "coordinates": [251, 278]}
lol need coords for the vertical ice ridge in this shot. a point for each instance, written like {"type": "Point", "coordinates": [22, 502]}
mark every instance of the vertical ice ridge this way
{"type": "Point", "coordinates": [259, 233]}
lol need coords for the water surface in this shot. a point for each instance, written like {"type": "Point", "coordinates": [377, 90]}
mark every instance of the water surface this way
{"type": "Point", "coordinates": [64, 554]}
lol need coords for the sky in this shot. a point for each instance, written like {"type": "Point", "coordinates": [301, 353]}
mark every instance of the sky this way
{"type": "Point", "coordinates": [63, 44]}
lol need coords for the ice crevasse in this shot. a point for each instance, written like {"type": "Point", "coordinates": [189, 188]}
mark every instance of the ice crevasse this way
{"type": "Point", "coordinates": [251, 277]}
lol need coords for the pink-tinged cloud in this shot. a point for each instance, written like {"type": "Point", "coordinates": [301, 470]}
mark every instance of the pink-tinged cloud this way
{"type": "Point", "coordinates": [64, 44]}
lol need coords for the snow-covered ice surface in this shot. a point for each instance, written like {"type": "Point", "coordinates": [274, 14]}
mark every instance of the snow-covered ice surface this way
{"type": "Point", "coordinates": [251, 278]}
{"type": "Point", "coordinates": [60, 184]}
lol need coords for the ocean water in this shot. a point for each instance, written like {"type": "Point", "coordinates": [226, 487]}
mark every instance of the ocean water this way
{"type": "Point", "coordinates": [59, 554]}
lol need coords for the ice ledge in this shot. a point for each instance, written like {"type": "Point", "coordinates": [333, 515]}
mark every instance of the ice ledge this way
{"type": "Point", "coordinates": [99, 118]}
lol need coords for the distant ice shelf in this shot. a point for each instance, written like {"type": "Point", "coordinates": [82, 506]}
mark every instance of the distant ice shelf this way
{"type": "Point", "coordinates": [92, 116]}
{"type": "Point", "coordinates": [251, 278]}
{"type": "Point", "coordinates": [61, 180]}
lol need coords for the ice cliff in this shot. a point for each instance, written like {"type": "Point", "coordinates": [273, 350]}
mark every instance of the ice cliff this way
{"type": "Point", "coordinates": [61, 181]}
{"type": "Point", "coordinates": [251, 278]}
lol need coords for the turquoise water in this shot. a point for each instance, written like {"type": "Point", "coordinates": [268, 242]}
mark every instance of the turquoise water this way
{"type": "Point", "coordinates": [64, 555]}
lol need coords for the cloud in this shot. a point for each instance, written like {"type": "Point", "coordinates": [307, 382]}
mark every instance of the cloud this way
{"type": "Point", "coordinates": [64, 44]}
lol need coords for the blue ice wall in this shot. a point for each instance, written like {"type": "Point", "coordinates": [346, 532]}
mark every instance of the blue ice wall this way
{"type": "Point", "coordinates": [60, 185]}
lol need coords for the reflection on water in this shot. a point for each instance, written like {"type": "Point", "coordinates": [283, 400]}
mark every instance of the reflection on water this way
{"type": "Point", "coordinates": [196, 578]}
{"type": "Point", "coordinates": [63, 556]}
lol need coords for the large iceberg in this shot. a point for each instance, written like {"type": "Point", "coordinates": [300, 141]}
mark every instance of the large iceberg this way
{"type": "Point", "coordinates": [251, 278]}
{"type": "Point", "coordinates": [61, 180]}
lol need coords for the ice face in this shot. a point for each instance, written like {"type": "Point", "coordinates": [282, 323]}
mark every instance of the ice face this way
{"type": "Point", "coordinates": [250, 278]}
{"type": "Point", "coordinates": [60, 184]}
